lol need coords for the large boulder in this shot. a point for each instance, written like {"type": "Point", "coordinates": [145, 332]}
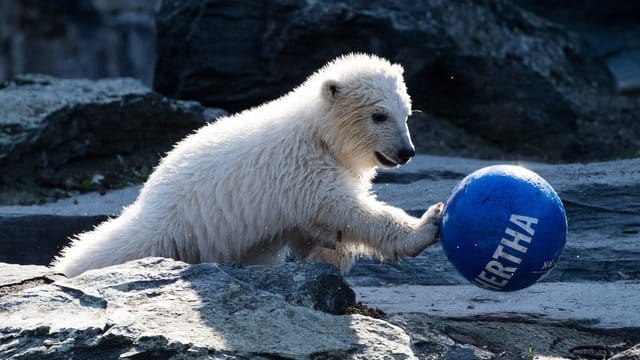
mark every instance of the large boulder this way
{"type": "Point", "coordinates": [490, 69]}
{"type": "Point", "coordinates": [49, 124]}
{"type": "Point", "coordinates": [159, 308]}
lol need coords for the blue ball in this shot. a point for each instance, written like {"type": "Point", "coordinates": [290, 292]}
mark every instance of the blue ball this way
{"type": "Point", "coordinates": [503, 227]}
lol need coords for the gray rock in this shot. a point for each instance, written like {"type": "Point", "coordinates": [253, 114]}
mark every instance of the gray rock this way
{"type": "Point", "coordinates": [612, 29]}
{"type": "Point", "coordinates": [78, 38]}
{"type": "Point", "coordinates": [592, 305]}
{"type": "Point", "coordinates": [11, 274]}
{"type": "Point", "coordinates": [513, 336]}
{"type": "Point", "coordinates": [160, 308]}
{"type": "Point", "coordinates": [48, 123]}
{"type": "Point", "coordinates": [320, 287]}
{"type": "Point", "coordinates": [629, 354]}
{"type": "Point", "coordinates": [89, 204]}
{"type": "Point", "coordinates": [501, 74]}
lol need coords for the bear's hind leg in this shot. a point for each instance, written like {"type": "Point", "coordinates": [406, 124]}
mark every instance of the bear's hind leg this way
{"type": "Point", "coordinates": [342, 259]}
{"type": "Point", "coordinates": [344, 255]}
{"type": "Point", "coordinates": [266, 253]}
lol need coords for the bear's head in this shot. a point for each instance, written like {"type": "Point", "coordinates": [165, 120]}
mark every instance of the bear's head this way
{"type": "Point", "coordinates": [367, 105]}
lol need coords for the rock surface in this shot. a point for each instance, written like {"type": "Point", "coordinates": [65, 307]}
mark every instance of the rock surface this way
{"type": "Point", "coordinates": [159, 308]}
{"type": "Point", "coordinates": [489, 69]}
{"type": "Point", "coordinates": [510, 336]}
{"type": "Point", "coordinates": [78, 38]}
{"type": "Point", "coordinates": [588, 304]}
{"type": "Point", "coordinates": [630, 354]}
{"type": "Point", "coordinates": [48, 125]}
{"type": "Point", "coordinates": [613, 29]}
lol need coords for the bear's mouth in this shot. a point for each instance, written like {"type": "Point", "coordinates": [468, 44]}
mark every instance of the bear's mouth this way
{"type": "Point", "coordinates": [384, 161]}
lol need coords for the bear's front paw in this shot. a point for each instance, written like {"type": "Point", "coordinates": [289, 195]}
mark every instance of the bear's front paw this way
{"type": "Point", "coordinates": [431, 224]}
{"type": "Point", "coordinates": [426, 234]}
{"type": "Point", "coordinates": [433, 214]}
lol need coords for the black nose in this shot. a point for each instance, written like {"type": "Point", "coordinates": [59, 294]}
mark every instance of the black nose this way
{"type": "Point", "coordinates": [406, 154]}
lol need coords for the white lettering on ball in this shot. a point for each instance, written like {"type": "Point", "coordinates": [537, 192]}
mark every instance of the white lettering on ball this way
{"type": "Point", "coordinates": [497, 272]}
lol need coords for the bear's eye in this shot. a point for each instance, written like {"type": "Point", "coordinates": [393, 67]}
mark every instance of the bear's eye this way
{"type": "Point", "coordinates": [379, 117]}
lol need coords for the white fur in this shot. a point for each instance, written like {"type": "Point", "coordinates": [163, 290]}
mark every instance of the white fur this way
{"type": "Point", "coordinates": [293, 174]}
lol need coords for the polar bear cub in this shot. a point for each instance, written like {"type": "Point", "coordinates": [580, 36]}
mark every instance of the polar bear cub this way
{"type": "Point", "coordinates": [290, 176]}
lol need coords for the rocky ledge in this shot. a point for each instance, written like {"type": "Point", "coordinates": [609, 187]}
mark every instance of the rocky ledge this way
{"type": "Point", "coordinates": [160, 308]}
{"type": "Point", "coordinates": [78, 134]}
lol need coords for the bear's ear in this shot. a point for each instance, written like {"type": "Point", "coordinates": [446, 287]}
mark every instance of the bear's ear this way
{"type": "Point", "coordinates": [331, 90]}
